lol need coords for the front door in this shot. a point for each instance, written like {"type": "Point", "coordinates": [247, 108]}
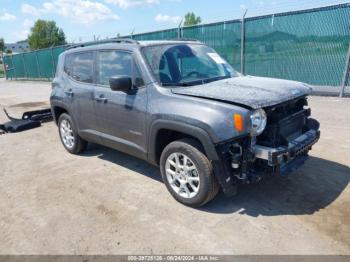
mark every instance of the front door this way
{"type": "Point", "coordinates": [121, 115]}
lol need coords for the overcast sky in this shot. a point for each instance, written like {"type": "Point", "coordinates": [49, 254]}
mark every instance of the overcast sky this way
{"type": "Point", "coordinates": [82, 19]}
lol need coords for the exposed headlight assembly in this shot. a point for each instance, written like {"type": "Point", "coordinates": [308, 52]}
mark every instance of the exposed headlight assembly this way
{"type": "Point", "coordinates": [258, 119]}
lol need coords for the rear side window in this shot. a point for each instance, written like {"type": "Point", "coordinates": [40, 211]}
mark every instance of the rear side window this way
{"type": "Point", "coordinates": [117, 63]}
{"type": "Point", "coordinates": [80, 66]}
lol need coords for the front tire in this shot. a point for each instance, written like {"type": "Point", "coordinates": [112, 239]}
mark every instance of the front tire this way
{"type": "Point", "coordinates": [70, 139]}
{"type": "Point", "coordinates": [187, 173]}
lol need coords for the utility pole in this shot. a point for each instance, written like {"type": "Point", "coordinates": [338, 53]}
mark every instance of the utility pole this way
{"type": "Point", "coordinates": [243, 40]}
{"type": "Point", "coordinates": [346, 74]}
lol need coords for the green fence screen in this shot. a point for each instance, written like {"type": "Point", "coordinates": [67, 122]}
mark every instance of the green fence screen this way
{"type": "Point", "coordinates": [36, 65]}
{"type": "Point", "coordinates": [164, 34]}
{"type": "Point", "coordinates": [308, 46]}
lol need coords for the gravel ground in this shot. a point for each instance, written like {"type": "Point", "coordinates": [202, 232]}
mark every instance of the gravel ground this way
{"type": "Point", "coordinates": [105, 202]}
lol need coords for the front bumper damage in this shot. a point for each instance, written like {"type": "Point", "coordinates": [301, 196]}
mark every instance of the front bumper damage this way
{"type": "Point", "coordinates": [284, 155]}
{"type": "Point", "coordinates": [241, 161]}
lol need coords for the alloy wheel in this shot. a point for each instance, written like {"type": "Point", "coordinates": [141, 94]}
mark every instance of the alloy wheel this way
{"type": "Point", "coordinates": [182, 175]}
{"type": "Point", "coordinates": [67, 133]}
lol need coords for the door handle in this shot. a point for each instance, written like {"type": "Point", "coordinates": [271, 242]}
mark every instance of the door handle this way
{"type": "Point", "coordinates": [101, 99]}
{"type": "Point", "coordinates": [69, 92]}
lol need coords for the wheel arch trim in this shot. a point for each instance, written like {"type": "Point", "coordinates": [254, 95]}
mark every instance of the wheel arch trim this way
{"type": "Point", "coordinates": [58, 104]}
{"type": "Point", "coordinates": [180, 127]}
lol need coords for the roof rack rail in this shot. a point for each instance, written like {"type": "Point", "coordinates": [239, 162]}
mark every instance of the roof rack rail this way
{"type": "Point", "coordinates": [185, 39]}
{"type": "Point", "coordinates": [112, 40]}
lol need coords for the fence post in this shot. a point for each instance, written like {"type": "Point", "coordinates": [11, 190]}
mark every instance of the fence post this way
{"type": "Point", "coordinates": [53, 64]}
{"type": "Point", "coordinates": [3, 64]}
{"type": "Point", "coordinates": [14, 68]}
{"type": "Point", "coordinates": [37, 63]}
{"type": "Point", "coordinates": [179, 30]}
{"type": "Point", "coordinates": [346, 73]}
{"type": "Point", "coordinates": [24, 66]}
{"type": "Point", "coordinates": [243, 40]}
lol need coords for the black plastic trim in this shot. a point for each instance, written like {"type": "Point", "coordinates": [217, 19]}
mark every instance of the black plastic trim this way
{"type": "Point", "coordinates": [196, 132]}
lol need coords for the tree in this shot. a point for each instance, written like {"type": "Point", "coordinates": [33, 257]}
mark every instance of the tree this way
{"type": "Point", "coordinates": [2, 45]}
{"type": "Point", "coordinates": [45, 34]}
{"type": "Point", "coordinates": [192, 19]}
{"type": "Point", "coordinates": [8, 51]}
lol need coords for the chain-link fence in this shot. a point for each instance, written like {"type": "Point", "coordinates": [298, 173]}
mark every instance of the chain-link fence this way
{"type": "Point", "coordinates": [309, 46]}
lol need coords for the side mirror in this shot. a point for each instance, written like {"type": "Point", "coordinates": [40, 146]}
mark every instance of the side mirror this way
{"type": "Point", "coordinates": [120, 83]}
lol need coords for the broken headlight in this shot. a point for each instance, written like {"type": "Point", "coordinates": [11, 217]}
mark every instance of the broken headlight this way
{"type": "Point", "coordinates": [258, 119]}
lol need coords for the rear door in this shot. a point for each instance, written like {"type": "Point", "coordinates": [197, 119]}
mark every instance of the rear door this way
{"type": "Point", "coordinates": [121, 115]}
{"type": "Point", "coordinates": [79, 89]}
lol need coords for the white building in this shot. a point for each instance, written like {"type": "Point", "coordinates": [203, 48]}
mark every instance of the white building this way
{"type": "Point", "coordinates": [19, 47]}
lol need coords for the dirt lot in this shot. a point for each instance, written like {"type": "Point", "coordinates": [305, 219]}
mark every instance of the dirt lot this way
{"type": "Point", "coordinates": [105, 202]}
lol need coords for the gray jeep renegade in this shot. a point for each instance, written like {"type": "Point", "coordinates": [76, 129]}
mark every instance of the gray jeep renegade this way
{"type": "Point", "coordinates": [180, 105]}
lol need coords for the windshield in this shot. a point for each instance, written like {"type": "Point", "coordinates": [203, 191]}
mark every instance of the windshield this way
{"type": "Point", "coordinates": [186, 64]}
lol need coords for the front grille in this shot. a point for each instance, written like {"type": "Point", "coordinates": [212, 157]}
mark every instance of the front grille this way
{"type": "Point", "coordinates": [284, 122]}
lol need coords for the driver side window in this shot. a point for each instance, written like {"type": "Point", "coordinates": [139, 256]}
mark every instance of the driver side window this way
{"type": "Point", "coordinates": [117, 63]}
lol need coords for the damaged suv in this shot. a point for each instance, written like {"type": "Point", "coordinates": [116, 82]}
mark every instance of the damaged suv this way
{"type": "Point", "coordinates": [180, 105]}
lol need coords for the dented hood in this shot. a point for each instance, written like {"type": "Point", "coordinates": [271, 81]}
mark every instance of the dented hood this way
{"type": "Point", "coordinates": [254, 92]}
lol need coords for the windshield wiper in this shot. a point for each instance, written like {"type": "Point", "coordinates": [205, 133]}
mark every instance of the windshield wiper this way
{"type": "Point", "coordinates": [175, 84]}
{"type": "Point", "coordinates": [197, 82]}
{"type": "Point", "coordinates": [216, 78]}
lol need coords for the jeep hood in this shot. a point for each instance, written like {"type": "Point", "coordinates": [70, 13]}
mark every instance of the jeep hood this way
{"type": "Point", "coordinates": [254, 92]}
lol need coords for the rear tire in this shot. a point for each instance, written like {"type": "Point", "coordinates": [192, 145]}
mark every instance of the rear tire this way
{"type": "Point", "coordinates": [70, 139]}
{"type": "Point", "coordinates": [188, 173]}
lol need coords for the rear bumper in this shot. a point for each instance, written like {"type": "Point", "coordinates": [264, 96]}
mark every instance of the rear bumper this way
{"type": "Point", "coordinates": [284, 155]}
